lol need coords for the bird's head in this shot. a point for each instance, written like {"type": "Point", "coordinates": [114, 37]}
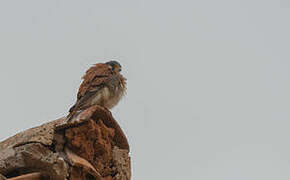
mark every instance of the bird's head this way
{"type": "Point", "coordinates": [116, 66]}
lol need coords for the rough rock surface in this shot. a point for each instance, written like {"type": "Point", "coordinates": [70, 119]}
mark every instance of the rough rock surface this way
{"type": "Point", "coordinates": [2, 177]}
{"type": "Point", "coordinates": [89, 146]}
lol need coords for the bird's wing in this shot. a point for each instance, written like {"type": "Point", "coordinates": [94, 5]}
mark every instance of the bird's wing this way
{"type": "Point", "coordinates": [82, 101]}
{"type": "Point", "coordinates": [94, 80]}
{"type": "Point", "coordinates": [96, 76]}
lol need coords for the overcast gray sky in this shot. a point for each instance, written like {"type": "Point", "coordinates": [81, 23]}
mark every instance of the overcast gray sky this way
{"type": "Point", "coordinates": [208, 80]}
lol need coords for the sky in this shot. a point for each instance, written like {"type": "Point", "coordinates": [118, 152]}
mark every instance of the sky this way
{"type": "Point", "coordinates": [208, 81]}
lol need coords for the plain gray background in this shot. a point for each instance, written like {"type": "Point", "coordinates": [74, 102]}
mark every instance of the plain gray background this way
{"type": "Point", "coordinates": [208, 80]}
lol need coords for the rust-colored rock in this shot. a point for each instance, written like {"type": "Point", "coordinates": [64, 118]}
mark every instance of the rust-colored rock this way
{"type": "Point", "coordinates": [93, 141]}
{"type": "Point", "coordinates": [90, 146]}
{"type": "Point", "coordinates": [30, 176]}
{"type": "Point", "coordinates": [82, 166]}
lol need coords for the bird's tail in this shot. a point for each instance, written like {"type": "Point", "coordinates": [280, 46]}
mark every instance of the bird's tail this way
{"type": "Point", "coordinates": [72, 112]}
{"type": "Point", "coordinates": [72, 108]}
{"type": "Point", "coordinates": [70, 115]}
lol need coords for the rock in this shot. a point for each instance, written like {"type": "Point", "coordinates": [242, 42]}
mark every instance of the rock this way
{"type": "Point", "coordinates": [30, 158]}
{"type": "Point", "coordinates": [89, 146]}
{"type": "Point", "coordinates": [30, 176]}
{"type": "Point", "coordinates": [2, 177]}
{"type": "Point", "coordinates": [122, 163]}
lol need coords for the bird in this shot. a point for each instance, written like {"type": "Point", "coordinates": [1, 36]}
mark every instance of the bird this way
{"type": "Point", "coordinates": [103, 85]}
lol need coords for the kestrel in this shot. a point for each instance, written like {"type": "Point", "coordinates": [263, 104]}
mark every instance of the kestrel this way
{"type": "Point", "coordinates": [102, 85]}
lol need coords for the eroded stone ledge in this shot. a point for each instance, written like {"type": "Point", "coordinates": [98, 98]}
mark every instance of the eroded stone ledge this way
{"type": "Point", "coordinates": [89, 146]}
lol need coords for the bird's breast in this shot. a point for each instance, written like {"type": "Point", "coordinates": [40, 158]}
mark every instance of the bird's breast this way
{"type": "Point", "coordinates": [113, 96]}
{"type": "Point", "coordinates": [108, 97]}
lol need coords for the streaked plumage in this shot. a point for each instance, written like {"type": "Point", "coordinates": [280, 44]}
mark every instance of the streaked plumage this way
{"type": "Point", "coordinates": [102, 85]}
